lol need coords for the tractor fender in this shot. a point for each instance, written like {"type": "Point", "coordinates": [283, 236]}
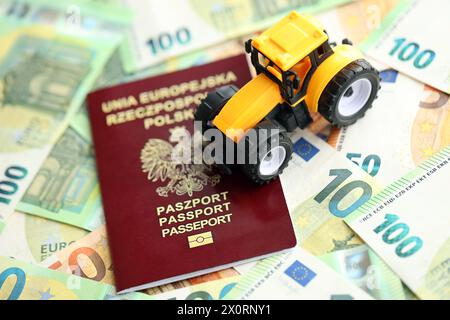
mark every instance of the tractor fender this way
{"type": "Point", "coordinates": [343, 55]}
{"type": "Point", "coordinates": [248, 107]}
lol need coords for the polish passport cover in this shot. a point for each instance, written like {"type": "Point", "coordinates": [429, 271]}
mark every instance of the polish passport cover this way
{"type": "Point", "coordinates": [168, 223]}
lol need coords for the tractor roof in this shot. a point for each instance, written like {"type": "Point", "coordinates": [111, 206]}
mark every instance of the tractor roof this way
{"type": "Point", "coordinates": [290, 40]}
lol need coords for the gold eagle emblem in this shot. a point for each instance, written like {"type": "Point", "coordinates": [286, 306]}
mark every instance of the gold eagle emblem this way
{"type": "Point", "coordinates": [157, 158]}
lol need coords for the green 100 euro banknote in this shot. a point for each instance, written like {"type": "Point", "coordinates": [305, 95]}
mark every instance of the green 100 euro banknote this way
{"type": "Point", "coordinates": [44, 77]}
{"type": "Point", "coordinates": [163, 29]}
{"type": "Point", "coordinates": [408, 226]}
{"type": "Point", "coordinates": [413, 39]}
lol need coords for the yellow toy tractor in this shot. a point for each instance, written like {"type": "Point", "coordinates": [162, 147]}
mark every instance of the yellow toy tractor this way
{"type": "Point", "coordinates": [298, 71]}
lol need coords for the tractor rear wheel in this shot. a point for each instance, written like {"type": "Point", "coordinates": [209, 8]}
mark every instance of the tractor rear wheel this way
{"type": "Point", "coordinates": [210, 107]}
{"type": "Point", "coordinates": [350, 93]}
{"type": "Point", "coordinates": [272, 155]}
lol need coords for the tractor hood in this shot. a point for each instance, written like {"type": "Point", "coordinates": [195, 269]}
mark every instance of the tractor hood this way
{"type": "Point", "coordinates": [248, 107]}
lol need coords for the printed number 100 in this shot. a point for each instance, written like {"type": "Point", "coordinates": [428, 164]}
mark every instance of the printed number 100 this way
{"type": "Point", "coordinates": [396, 233]}
{"type": "Point", "coordinates": [9, 187]}
{"type": "Point", "coordinates": [410, 50]}
{"type": "Point", "coordinates": [165, 41]}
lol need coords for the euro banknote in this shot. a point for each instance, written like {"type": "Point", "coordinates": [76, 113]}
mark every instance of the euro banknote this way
{"type": "Point", "coordinates": [365, 269]}
{"type": "Point", "coordinates": [417, 118]}
{"type": "Point", "coordinates": [407, 225]}
{"type": "Point", "coordinates": [44, 77]}
{"type": "Point", "coordinates": [159, 31]}
{"type": "Point", "coordinates": [321, 187]}
{"type": "Point", "coordinates": [66, 188]}
{"type": "Point", "coordinates": [294, 275]}
{"type": "Point", "coordinates": [89, 257]}
{"type": "Point", "coordinates": [411, 40]}
{"type": "Point", "coordinates": [33, 239]}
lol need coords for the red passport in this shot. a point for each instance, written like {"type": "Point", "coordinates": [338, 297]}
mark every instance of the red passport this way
{"type": "Point", "coordinates": [167, 223]}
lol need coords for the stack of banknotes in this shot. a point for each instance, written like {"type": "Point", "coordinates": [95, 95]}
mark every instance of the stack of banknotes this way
{"type": "Point", "coordinates": [370, 218]}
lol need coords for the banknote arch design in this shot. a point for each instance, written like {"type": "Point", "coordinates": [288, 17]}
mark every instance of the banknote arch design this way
{"type": "Point", "coordinates": [187, 160]}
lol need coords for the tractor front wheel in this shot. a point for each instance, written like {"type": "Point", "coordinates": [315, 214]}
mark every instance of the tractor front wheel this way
{"type": "Point", "coordinates": [272, 155]}
{"type": "Point", "coordinates": [350, 93]}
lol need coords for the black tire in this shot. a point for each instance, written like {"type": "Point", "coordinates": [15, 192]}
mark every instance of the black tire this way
{"type": "Point", "coordinates": [261, 150]}
{"type": "Point", "coordinates": [339, 103]}
{"type": "Point", "coordinates": [210, 107]}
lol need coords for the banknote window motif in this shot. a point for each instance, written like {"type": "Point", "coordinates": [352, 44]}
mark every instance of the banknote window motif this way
{"type": "Point", "coordinates": [300, 273]}
{"type": "Point", "coordinates": [305, 149]}
{"type": "Point", "coordinates": [46, 75]}
{"type": "Point", "coordinates": [66, 178]}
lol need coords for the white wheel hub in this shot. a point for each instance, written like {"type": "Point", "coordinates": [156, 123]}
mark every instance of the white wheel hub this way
{"type": "Point", "coordinates": [272, 161]}
{"type": "Point", "coordinates": [355, 97]}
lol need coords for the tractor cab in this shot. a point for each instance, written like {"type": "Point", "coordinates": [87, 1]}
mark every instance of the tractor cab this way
{"type": "Point", "coordinates": [289, 54]}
